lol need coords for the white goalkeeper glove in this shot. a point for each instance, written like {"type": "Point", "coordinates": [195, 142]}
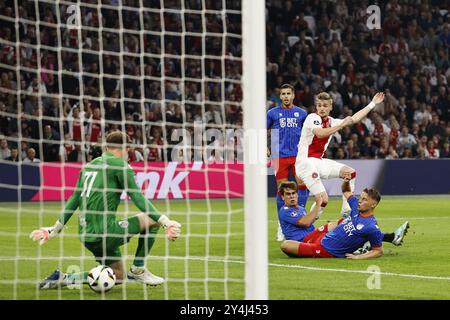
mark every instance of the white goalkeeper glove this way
{"type": "Point", "coordinates": [171, 227]}
{"type": "Point", "coordinates": [46, 233]}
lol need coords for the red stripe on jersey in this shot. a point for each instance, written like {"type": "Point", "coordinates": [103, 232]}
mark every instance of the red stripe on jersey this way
{"type": "Point", "coordinates": [317, 147]}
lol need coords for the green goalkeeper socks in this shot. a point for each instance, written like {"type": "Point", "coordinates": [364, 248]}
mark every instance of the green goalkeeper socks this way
{"type": "Point", "coordinates": [145, 244]}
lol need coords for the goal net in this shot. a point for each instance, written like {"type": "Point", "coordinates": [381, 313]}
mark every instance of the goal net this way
{"type": "Point", "coordinates": [169, 73]}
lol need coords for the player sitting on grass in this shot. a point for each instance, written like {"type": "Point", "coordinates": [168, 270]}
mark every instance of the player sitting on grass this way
{"type": "Point", "coordinates": [342, 238]}
{"type": "Point", "coordinates": [97, 195]}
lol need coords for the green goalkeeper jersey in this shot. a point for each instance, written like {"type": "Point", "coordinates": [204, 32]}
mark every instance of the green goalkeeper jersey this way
{"type": "Point", "coordinates": [97, 195]}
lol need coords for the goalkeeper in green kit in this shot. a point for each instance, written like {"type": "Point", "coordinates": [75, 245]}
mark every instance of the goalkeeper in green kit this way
{"type": "Point", "coordinates": [97, 195]}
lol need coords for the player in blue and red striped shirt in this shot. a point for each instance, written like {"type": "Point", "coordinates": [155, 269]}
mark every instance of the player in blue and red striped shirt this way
{"type": "Point", "coordinates": [337, 239]}
{"type": "Point", "coordinates": [285, 123]}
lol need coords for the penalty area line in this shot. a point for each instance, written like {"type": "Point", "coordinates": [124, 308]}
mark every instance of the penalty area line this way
{"type": "Point", "coordinates": [403, 275]}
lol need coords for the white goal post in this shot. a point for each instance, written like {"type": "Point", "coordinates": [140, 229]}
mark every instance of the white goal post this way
{"type": "Point", "coordinates": [255, 173]}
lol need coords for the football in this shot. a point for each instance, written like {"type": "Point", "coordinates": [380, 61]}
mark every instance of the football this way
{"type": "Point", "coordinates": [101, 279]}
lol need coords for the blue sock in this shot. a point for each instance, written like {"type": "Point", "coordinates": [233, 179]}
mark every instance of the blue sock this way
{"type": "Point", "coordinates": [303, 197]}
{"type": "Point", "coordinates": [280, 202]}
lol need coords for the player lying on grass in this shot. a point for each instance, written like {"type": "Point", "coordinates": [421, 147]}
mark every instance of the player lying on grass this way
{"type": "Point", "coordinates": [317, 131]}
{"type": "Point", "coordinates": [344, 238]}
{"type": "Point", "coordinates": [97, 195]}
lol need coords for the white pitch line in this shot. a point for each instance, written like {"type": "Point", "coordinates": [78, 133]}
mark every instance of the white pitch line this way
{"type": "Point", "coordinates": [416, 276]}
{"type": "Point", "coordinates": [278, 265]}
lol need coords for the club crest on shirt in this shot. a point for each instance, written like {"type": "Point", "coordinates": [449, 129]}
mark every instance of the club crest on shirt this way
{"type": "Point", "coordinates": [123, 224]}
{"type": "Point", "coordinates": [294, 213]}
{"type": "Point", "coordinates": [315, 175]}
{"type": "Point", "coordinates": [359, 226]}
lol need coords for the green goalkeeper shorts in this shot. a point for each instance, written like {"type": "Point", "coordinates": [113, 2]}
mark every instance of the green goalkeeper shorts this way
{"type": "Point", "coordinates": [106, 250]}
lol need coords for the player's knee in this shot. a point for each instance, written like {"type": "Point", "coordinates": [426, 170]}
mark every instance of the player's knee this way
{"type": "Point", "coordinates": [286, 246]}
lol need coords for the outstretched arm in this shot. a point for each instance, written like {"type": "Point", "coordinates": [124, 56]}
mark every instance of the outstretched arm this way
{"type": "Point", "coordinates": [46, 233]}
{"type": "Point", "coordinates": [326, 132]}
{"type": "Point", "coordinates": [361, 114]}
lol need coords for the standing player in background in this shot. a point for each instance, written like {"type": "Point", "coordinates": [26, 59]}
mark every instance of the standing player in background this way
{"type": "Point", "coordinates": [97, 195]}
{"type": "Point", "coordinates": [316, 135]}
{"type": "Point", "coordinates": [285, 123]}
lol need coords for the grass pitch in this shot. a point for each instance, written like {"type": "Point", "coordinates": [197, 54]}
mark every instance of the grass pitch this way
{"type": "Point", "coordinates": [207, 262]}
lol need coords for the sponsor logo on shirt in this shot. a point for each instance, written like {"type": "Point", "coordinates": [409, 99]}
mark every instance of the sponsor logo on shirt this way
{"type": "Point", "coordinates": [349, 228]}
{"type": "Point", "coordinates": [317, 251]}
{"type": "Point", "coordinates": [288, 122]}
{"type": "Point", "coordinates": [316, 122]}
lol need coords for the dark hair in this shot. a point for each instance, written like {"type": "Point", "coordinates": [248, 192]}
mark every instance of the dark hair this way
{"type": "Point", "coordinates": [287, 185]}
{"type": "Point", "coordinates": [117, 139]}
{"type": "Point", "coordinates": [287, 86]}
{"type": "Point", "coordinates": [373, 194]}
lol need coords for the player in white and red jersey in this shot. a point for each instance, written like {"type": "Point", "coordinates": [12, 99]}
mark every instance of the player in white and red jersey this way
{"type": "Point", "coordinates": [317, 131]}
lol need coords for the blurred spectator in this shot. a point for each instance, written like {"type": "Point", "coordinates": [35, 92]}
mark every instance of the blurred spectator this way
{"type": "Point", "coordinates": [445, 153]}
{"type": "Point", "coordinates": [66, 148]}
{"type": "Point", "coordinates": [50, 150]}
{"type": "Point", "coordinates": [95, 150]}
{"type": "Point", "coordinates": [31, 156]}
{"type": "Point", "coordinates": [5, 152]}
{"type": "Point", "coordinates": [77, 154]}
{"type": "Point", "coordinates": [406, 140]}
{"type": "Point", "coordinates": [14, 157]}
{"type": "Point", "coordinates": [368, 150]}
{"type": "Point", "coordinates": [431, 150]}
{"type": "Point", "coordinates": [314, 45]}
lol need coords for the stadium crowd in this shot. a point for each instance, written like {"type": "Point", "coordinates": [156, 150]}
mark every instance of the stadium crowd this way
{"type": "Point", "coordinates": [140, 84]}
{"type": "Point", "coordinates": [327, 46]}
{"type": "Point", "coordinates": [125, 84]}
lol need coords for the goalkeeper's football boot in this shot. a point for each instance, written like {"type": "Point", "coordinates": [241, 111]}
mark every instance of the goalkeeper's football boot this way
{"type": "Point", "coordinates": [365, 248]}
{"type": "Point", "coordinates": [54, 281]}
{"type": "Point", "coordinates": [144, 276]}
{"type": "Point", "coordinates": [400, 233]}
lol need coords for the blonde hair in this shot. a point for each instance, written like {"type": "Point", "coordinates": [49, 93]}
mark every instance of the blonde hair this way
{"type": "Point", "coordinates": [324, 96]}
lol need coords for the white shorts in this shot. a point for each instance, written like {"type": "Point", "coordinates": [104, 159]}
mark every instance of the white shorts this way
{"type": "Point", "coordinates": [313, 170]}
